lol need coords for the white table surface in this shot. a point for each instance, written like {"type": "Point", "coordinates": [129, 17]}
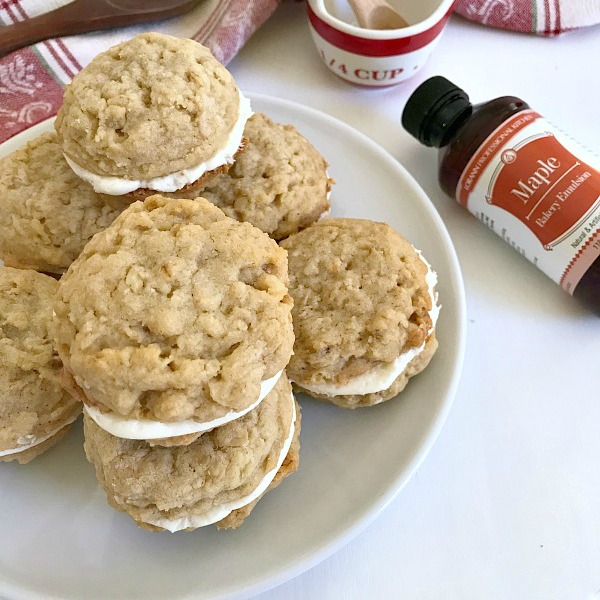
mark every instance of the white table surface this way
{"type": "Point", "coordinates": [507, 504]}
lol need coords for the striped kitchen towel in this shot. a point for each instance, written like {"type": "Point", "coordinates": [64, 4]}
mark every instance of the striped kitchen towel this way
{"type": "Point", "coordinates": [543, 17]}
{"type": "Point", "coordinates": [32, 79]}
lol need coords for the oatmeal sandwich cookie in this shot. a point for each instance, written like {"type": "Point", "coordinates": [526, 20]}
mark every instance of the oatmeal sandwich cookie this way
{"type": "Point", "coordinates": [364, 311]}
{"type": "Point", "coordinates": [155, 113]}
{"type": "Point", "coordinates": [47, 213]}
{"type": "Point", "coordinates": [279, 183]}
{"type": "Point", "coordinates": [174, 320]}
{"type": "Point", "coordinates": [35, 411]}
{"type": "Point", "coordinates": [217, 479]}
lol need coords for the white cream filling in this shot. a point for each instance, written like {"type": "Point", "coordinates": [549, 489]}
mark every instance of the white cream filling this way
{"type": "Point", "coordinates": [29, 441]}
{"type": "Point", "coordinates": [381, 377]}
{"type": "Point", "coordinates": [220, 512]}
{"type": "Point", "coordinates": [118, 186]}
{"type": "Point", "coordinates": [146, 429]}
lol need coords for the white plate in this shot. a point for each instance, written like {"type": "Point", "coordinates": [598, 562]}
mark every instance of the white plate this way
{"type": "Point", "coordinates": [59, 538]}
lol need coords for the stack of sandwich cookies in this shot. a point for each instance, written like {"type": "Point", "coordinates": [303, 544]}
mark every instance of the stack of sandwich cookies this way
{"type": "Point", "coordinates": [175, 328]}
{"type": "Point", "coordinates": [365, 310]}
{"type": "Point", "coordinates": [217, 479]}
{"type": "Point", "coordinates": [279, 183]}
{"type": "Point", "coordinates": [153, 114]}
{"type": "Point", "coordinates": [174, 320]}
{"type": "Point", "coordinates": [47, 213]}
{"type": "Point", "coordinates": [35, 411]}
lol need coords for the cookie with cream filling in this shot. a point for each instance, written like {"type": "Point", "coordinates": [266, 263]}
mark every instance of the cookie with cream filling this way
{"type": "Point", "coordinates": [154, 113]}
{"type": "Point", "coordinates": [35, 411]}
{"type": "Point", "coordinates": [365, 310]}
{"type": "Point", "coordinates": [279, 183]}
{"type": "Point", "coordinates": [174, 320]}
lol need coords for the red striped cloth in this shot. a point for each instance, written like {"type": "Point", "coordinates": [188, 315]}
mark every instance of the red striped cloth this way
{"type": "Point", "coordinates": [543, 17]}
{"type": "Point", "coordinates": [32, 79]}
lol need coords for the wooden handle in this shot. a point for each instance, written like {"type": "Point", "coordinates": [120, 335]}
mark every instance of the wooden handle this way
{"type": "Point", "coordinates": [82, 16]}
{"type": "Point", "coordinates": [376, 14]}
{"type": "Point", "coordinates": [66, 20]}
{"type": "Point", "coordinates": [361, 10]}
{"type": "Point", "coordinates": [29, 31]}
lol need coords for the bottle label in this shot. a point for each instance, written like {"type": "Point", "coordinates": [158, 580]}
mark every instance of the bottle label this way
{"type": "Point", "coordinates": [540, 192]}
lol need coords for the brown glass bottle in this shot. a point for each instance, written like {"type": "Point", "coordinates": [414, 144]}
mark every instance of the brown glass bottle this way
{"type": "Point", "coordinates": [439, 114]}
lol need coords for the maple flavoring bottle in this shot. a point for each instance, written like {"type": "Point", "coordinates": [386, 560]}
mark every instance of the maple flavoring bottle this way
{"type": "Point", "coordinates": [520, 176]}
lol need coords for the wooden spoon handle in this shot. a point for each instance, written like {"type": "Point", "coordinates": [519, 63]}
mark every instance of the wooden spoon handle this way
{"type": "Point", "coordinates": [82, 16]}
{"type": "Point", "coordinates": [377, 14]}
{"type": "Point", "coordinates": [361, 10]}
{"type": "Point", "coordinates": [30, 31]}
{"type": "Point", "coordinates": [79, 16]}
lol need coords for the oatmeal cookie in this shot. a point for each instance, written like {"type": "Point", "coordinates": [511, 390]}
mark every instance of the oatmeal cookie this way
{"type": "Point", "coordinates": [175, 312]}
{"type": "Point", "coordinates": [364, 311]}
{"type": "Point", "coordinates": [35, 411]}
{"type": "Point", "coordinates": [47, 214]}
{"type": "Point", "coordinates": [205, 482]}
{"type": "Point", "coordinates": [279, 183]}
{"type": "Point", "coordinates": [150, 107]}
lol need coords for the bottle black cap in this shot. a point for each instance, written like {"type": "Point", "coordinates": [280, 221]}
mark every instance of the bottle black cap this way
{"type": "Point", "coordinates": [434, 109]}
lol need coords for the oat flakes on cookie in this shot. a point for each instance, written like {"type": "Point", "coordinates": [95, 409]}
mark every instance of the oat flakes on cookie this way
{"type": "Point", "coordinates": [174, 320]}
{"type": "Point", "coordinates": [154, 113]}
{"type": "Point", "coordinates": [364, 312]}
{"type": "Point", "coordinates": [279, 183]}
{"type": "Point", "coordinates": [35, 411]}
{"type": "Point", "coordinates": [47, 213]}
{"type": "Point", "coordinates": [215, 480]}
